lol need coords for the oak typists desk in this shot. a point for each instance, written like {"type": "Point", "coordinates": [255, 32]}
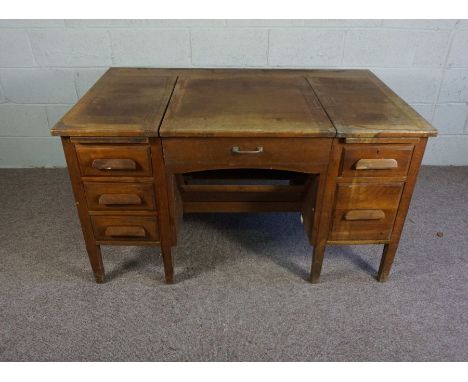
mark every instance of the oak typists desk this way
{"type": "Point", "coordinates": [145, 146]}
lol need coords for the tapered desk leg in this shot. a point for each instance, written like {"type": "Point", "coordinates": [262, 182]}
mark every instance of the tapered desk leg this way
{"type": "Point", "coordinates": [95, 258]}
{"type": "Point", "coordinates": [390, 249]}
{"type": "Point", "coordinates": [324, 209]}
{"type": "Point", "coordinates": [166, 252]}
{"type": "Point", "coordinates": [386, 262]}
{"type": "Point", "coordinates": [317, 260]}
{"type": "Point", "coordinates": [94, 250]}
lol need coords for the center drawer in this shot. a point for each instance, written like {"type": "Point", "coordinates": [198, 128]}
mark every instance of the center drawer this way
{"type": "Point", "coordinates": [294, 154]}
{"type": "Point", "coordinates": [107, 196]}
{"type": "Point", "coordinates": [365, 211]}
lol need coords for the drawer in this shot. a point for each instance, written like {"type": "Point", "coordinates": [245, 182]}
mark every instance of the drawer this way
{"type": "Point", "coordinates": [119, 196]}
{"type": "Point", "coordinates": [114, 160]}
{"type": "Point", "coordinates": [376, 160]}
{"type": "Point", "coordinates": [295, 154]}
{"type": "Point", "coordinates": [365, 211]}
{"type": "Point", "coordinates": [125, 228]}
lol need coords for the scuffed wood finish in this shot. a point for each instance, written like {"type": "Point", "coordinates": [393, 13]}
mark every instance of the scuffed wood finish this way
{"type": "Point", "coordinates": [232, 102]}
{"type": "Point", "coordinates": [93, 249]}
{"type": "Point", "coordinates": [114, 164]}
{"type": "Point", "coordinates": [131, 228]}
{"type": "Point", "coordinates": [365, 211]}
{"type": "Point", "coordinates": [364, 215]}
{"type": "Point", "coordinates": [119, 200]}
{"type": "Point", "coordinates": [121, 205]}
{"type": "Point", "coordinates": [125, 231]}
{"type": "Point", "coordinates": [306, 155]}
{"type": "Point", "coordinates": [166, 230]}
{"type": "Point", "coordinates": [360, 105]}
{"type": "Point", "coordinates": [271, 193]}
{"type": "Point", "coordinates": [245, 106]}
{"type": "Point", "coordinates": [376, 164]}
{"type": "Point", "coordinates": [324, 210]}
{"type": "Point", "coordinates": [349, 191]}
{"type": "Point", "coordinates": [378, 194]}
{"type": "Point", "coordinates": [348, 148]}
{"type": "Point", "coordinates": [390, 249]}
{"type": "Point", "coordinates": [112, 196]}
{"type": "Point", "coordinates": [114, 160]}
{"type": "Point", "coordinates": [122, 103]}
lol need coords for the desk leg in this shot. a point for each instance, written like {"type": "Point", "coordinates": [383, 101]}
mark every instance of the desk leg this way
{"type": "Point", "coordinates": [94, 250]}
{"type": "Point", "coordinates": [95, 258]}
{"type": "Point", "coordinates": [386, 262]}
{"type": "Point", "coordinates": [324, 207]}
{"type": "Point", "coordinates": [166, 252]}
{"type": "Point", "coordinates": [390, 249]}
{"type": "Point", "coordinates": [164, 193]}
{"type": "Point", "coordinates": [317, 260]}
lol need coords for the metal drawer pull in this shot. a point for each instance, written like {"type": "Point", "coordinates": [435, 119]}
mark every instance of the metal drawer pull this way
{"type": "Point", "coordinates": [125, 231]}
{"type": "Point", "coordinates": [237, 150]}
{"type": "Point", "coordinates": [376, 164]}
{"type": "Point", "coordinates": [117, 199]}
{"type": "Point", "coordinates": [364, 215]}
{"type": "Point", "coordinates": [114, 164]}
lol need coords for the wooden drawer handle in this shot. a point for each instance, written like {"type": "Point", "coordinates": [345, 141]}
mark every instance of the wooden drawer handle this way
{"type": "Point", "coordinates": [117, 199]}
{"type": "Point", "coordinates": [114, 164]}
{"type": "Point", "coordinates": [376, 164]}
{"type": "Point", "coordinates": [125, 231]}
{"type": "Point", "coordinates": [237, 150]}
{"type": "Point", "coordinates": [364, 215]}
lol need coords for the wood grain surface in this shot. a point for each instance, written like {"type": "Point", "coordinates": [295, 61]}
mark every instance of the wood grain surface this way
{"type": "Point", "coordinates": [348, 147]}
{"type": "Point", "coordinates": [255, 102]}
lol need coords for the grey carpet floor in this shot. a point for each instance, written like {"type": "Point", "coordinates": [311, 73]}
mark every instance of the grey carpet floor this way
{"type": "Point", "coordinates": [241, 291]}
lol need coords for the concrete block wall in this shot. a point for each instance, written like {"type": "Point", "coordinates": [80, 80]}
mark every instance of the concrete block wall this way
{"type": "Point", "coordinates": [46, 65]}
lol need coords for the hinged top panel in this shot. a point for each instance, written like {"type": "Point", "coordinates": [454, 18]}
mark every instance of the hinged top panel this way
{"type": "Point", "coordinates": [121, 103]}
{"type": "Point", "coordinates": [130, 102]}
{"type": "Point", "coordinates": [360, 105]}
{"type": "Point", "coordinates": [222, 105]}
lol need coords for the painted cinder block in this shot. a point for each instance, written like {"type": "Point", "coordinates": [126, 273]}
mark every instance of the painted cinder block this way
{"type": "Point", "coordinates": [454, 86]}
{"type": "Point", "coordinates": [56, 112]}
{"type": "Point", "coordinates": [446, 150]}
{"type": "Point", "coordinates": [41, 152]}
{"type": "Point", "coordinates": [425, 110]}
{"type": "Point", "coordinates": [305, 47]}
{"type": "Point", "coordinates": [451, 118]}
{"type": "Point", "coordinates": [151, 47]}
{"type": "Point", "coordinates": [15, 50]}
{"type": "Point", "coordinates": [420, 24]}
{"type": "Point", "coordinates": [396, 48]}
{"type": "Point", "coordinates": [2, 96]}
{"type": "Point", "coordinates": [31, 152]}
{"type": "Point", "coordinates": [462, 24]}
{"type": "Point", "coordinates": [229, 47]}
{"type": "Point", "coordinates": [85, 78]}
{"type": "Point", "coordinates": [264, 23]}
{"type": "Point", "coordinates": [407, 54]}
{"type": "Point", "coordinates": [23, 121]}
{"type": "Point", "coordinates": [458, 56]}
{"type": "Point", "coordinates": [413, 85]}
{"type": "Point", "coordinates": [38, 85]}
{"type": "Point", "coordinates": [71, 47]}
{"type": "Point", "coordinates": [10, 155]}
{"type": "Point", "coordinates": [343, 23]}
{"type": "Point", "coordinates": [141, 23]}
{"type": "Point", "coordinates": [31, 23]}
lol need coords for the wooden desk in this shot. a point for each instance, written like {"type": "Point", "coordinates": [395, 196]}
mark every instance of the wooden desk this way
{"type": "Point", "coordinates": [145, 146]}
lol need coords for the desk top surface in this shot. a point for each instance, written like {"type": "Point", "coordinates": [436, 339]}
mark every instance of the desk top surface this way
{"type": "Point", "coordinates": [241, 103]}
